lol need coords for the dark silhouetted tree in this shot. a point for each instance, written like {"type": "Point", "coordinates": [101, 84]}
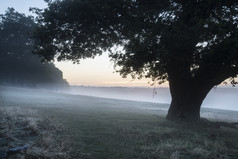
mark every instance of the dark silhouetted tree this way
{"type": "Point", "coordinates": [190, 43]}
{"type": "Point", "coordinates": [17, 63]}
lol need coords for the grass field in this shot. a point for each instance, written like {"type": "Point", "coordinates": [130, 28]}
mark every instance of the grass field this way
{"type": "Point", "coordinates": [72, 126]}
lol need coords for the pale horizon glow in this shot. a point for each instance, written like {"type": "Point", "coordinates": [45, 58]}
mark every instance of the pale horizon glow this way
{"type": "Point", "coordinates": [97, 72]}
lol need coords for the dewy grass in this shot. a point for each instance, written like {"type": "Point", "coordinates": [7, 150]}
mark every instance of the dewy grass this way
{"type": "Point", "coordinates": [24, 126]}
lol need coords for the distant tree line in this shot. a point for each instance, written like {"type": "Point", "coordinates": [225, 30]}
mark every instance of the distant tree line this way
{"type": "Point", "coordinates": [17, 63]}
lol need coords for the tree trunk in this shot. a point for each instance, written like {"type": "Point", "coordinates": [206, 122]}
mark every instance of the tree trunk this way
{"type": "Point", "coordinates": [187, 98]}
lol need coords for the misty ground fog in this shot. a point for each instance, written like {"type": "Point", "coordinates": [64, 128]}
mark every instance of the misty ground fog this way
{"type": "Point", "coordinates": [122, 99]}
{"type": "Point", "coordinates": [219, 98]}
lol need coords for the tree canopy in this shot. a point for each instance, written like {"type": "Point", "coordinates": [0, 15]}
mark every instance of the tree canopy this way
{"type": "Point", "coordinates": [192, 44]}
{"type": "Point", "coordinates": [17, 63]}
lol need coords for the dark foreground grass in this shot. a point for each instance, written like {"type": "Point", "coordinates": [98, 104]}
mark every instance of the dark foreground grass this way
{"type": "Point", "coordinates": [118, 134]}
{"type": "Point", "coordinates": [96, 128]}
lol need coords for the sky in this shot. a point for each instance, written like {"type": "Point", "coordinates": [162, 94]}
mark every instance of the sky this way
{"type": "Point", "coordinates": [90, 72]}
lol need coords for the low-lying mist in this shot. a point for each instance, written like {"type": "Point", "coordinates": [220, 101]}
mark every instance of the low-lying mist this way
{"type": "Point", "coordinates": [157, 95]}
{"type": "Point", "coordinates": [219, 98]}
{"type": "Point", "coordinates": [135, 100]}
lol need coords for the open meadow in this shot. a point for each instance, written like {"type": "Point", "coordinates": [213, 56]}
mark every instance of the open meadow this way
{"type": "Point", "coordinates": [57, 125]}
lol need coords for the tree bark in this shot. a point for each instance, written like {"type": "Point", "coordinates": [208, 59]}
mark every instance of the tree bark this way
{"type": "Point", "coordinates": [187, 97]}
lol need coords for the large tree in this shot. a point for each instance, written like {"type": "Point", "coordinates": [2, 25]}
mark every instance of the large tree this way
{"type": "Point", "coordinates": [17, 63]}
{"type": "Point", "coordinates": [192, 44]}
